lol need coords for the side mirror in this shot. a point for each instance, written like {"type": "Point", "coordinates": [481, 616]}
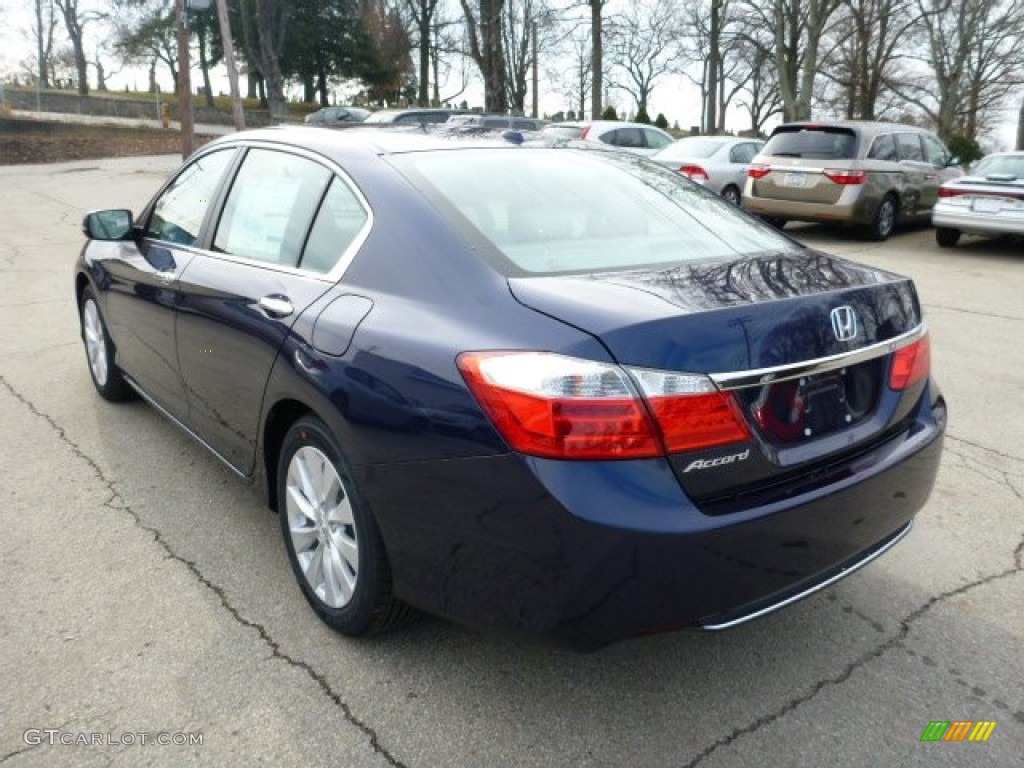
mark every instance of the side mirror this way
{"type": "Point", "coordinates": [954, 162]}
{"type": "Point", "coordinates": [108, 225]}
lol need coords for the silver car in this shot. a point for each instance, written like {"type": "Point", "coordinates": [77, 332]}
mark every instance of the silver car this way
{"type": "Point", "coordinates": [718, 162]}
{"type": "Point", "coordinates": [639, 138]}
{"type": "Point", "coordinates": [990, 201]}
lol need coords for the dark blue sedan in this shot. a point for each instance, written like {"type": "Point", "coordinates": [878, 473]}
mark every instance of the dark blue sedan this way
{"type": "Point", "coordinates": [555, 390]}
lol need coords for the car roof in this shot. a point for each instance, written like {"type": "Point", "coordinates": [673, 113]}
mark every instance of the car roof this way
{"type": "Point", "coordinates": [360, 138]}
{"type": "Point", "coordinates": [871, 127]}
{"type": "Point", "coordinates": [602, 124]}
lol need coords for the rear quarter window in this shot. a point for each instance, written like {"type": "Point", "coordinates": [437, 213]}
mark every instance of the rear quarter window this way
{"type": "Point", "coordinates": [884, 148]}
{"type": "Point", "coordinates": [814, 142]}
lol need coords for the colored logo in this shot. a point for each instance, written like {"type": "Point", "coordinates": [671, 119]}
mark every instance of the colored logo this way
{"type": "Point", "coordinates": [958, 730]}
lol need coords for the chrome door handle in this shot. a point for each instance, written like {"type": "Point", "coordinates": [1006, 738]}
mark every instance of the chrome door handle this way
{"type": "Point", "coordinates": [276, 306]}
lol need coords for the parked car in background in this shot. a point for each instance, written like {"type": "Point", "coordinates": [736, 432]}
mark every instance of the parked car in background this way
{"type": "Point", "coordinates": [337, 116]}
{"type": "Point", "coordinates": [989, 201]}
{"type": "Point", "coordinates": [497, 122]}
{"type": "Point", "coordinates": [869, 174]}
{"type": "Point", "coordinates": [718, 162]}
{"type": "Point", "coordinates": [539, 388]}
{"type": "Point", "coordinates": [412, 116]}
{"type": "Point", "coordinates": [633, 137]}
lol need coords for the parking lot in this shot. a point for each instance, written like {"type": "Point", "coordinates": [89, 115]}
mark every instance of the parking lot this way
{"type": "Point", "coordinates": [146, 591]}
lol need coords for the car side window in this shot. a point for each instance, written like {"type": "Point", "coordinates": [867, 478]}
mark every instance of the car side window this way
{"type": "Point", "coordinates": [884, 148]}
{"type": "Point", "coordinates": [629, 137]}
{"type": "Point", "coordinates": [270, 206]}
{"type": "Point", "coordinates": [743, 153]}
{"type": "Point", "coordinates": [935, 152]}
{"type": "Point", "coordinates": [338, 223]}
{"type": "Point", "coordinates": [655, 140]}
{"type": "Point", "coordinates": [910, 147]}
{"type": "Point", "coordinates": [179, 211]}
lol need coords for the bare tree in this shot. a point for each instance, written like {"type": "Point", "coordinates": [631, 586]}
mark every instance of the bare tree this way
{"type": "Point", "coordinates": [643, 47]}
{"type": "Point", "coordinates": [870, 38]}
{"type": "Point", "coordinates": [42, 31]}
{"type": "Point", "coordinates": [760, 87]}
{"type": "Point", "coordinates": [573, 75]}
{"type": "Point", "coordinates": [799, 28]}
{"type": "Point", "coordinates": [75, 20]}
{"type": "Point", "coordinates": [271, 23]}
{"type": "Point", "coordinates": [423, 14]}
{"type": "Point", "coordinates": [975, 60]}
{"type": "Point", "coordinates": [520, 19]}
{"type": "Point", "coordinates": [483, 30]}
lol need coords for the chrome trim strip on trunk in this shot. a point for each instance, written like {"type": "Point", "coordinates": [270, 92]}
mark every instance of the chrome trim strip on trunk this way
{"type": "Point", "coordinates": [740, 379]}
{"type": "Point", "coordinates": [142, 393]}
{"type": "Point", "coordinates": [816, 588]}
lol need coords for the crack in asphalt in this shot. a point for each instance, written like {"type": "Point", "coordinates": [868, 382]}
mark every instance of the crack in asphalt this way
{"type": "Point", "coordinates": [959, 678]}
{"type": "Point", "coordinates": [117, 502]}
{"type": "Point", "coordinates": [979, 446]}
{"type": "Point", "coordinates": [975, 467]}
{"type": "Point", "coordinates": [878, 651]}
{"type": "Point", "coordinates": [975, 312]}
{"type": "Point", "coordinates": [22, 751]}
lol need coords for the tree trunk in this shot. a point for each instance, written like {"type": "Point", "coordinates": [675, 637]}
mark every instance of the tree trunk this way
{"type": "Point", "coordinates": [321, 86]}
{"type": "Point", "coordinates": [270, 29]}
{"type": "Point", "coordinates": [714, 57]}
{"type": "Point", "coordinates": [204, 67]}
{"type": "Point", "coordinates": [423, 97]}
{"type": "Point", "coordinates": [41, 52]}
{"type": "Point", "coordinates": [596, 58]}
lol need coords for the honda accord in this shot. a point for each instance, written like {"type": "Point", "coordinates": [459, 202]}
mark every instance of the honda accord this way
{"type": "Point", "coordinates": [549, 389]}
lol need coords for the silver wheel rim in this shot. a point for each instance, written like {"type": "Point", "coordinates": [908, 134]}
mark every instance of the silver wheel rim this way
{"type": "Point", "coordinates": [886, 217]}
{"type": "Point", "coordinates": [321, 526]}
{"type": "Point", "coordinates": [95, 342]}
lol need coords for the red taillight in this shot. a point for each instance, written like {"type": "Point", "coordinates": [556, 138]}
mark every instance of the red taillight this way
{"type": "Point", "coordinates": [560, 407]}
{"type": "Point", "coordinates": [947, 192]}
{"type": "Point", "coordinates": [911, 364]}
{"type": "Point", "coordinates": [758, 171]}
{"type": "Point", "coordinates": [840, 176]}
{"type": "Point", "coordinates": [694, 172]}
{"type": "Point", "coordinates": [691, 422]}
{"type": "Point", "coordinates": [586, 130]}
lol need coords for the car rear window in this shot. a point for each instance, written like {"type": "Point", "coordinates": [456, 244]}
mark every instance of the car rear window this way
{"type": "Point", "coordinates": [564, 131]}
{"type": "Point", "coordinates": [559, 211]}
{"type": "Point", "coordinates": [689, 148]}
{"type": "Point", "coordinates": [812, 141]}
{"type": "Point", "coordinates": [1008, 165]}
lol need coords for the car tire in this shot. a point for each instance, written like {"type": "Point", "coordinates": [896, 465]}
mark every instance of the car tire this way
{"type": "Point", "coordinates": [885, 219]}
{"type": "Point", "coordinates": [333, 542]}
{"type": "Point", "coordinates": [947, 237]}
{"type": "Point", "coordinates": [100, 353]}
{"type": "Point", "coordinates": [732, 195]}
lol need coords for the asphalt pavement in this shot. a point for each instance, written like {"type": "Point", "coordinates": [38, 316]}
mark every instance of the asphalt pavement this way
{"type": "Point", "coordinates": [145, 595]}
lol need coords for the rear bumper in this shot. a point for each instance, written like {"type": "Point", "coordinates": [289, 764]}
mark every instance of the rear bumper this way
{"type": "Point", "coordinates": [598, 551]}
{"type": "Point", "coordinates": [973, 223]}
{"type": "Point", "coordinates": [852, 207]}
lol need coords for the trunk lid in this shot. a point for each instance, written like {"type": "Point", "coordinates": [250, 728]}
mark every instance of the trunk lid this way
{"type": "Point", "coordinates": [735, 319]}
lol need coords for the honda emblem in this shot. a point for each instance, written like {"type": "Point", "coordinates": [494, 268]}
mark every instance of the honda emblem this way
{"type": "Point", "coordinates": [844, 323]}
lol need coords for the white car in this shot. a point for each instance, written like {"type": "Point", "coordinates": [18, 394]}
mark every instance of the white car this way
{"type": "Point", "coordinates": [633, 137]}
{"type": "Point", "coordinates": [719, 163]}
{"type": "Point", "coordinates": [990, 201]}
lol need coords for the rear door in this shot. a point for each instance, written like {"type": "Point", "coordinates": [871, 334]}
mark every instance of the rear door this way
{"type": "Point", "coordinates": [269, 258]}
